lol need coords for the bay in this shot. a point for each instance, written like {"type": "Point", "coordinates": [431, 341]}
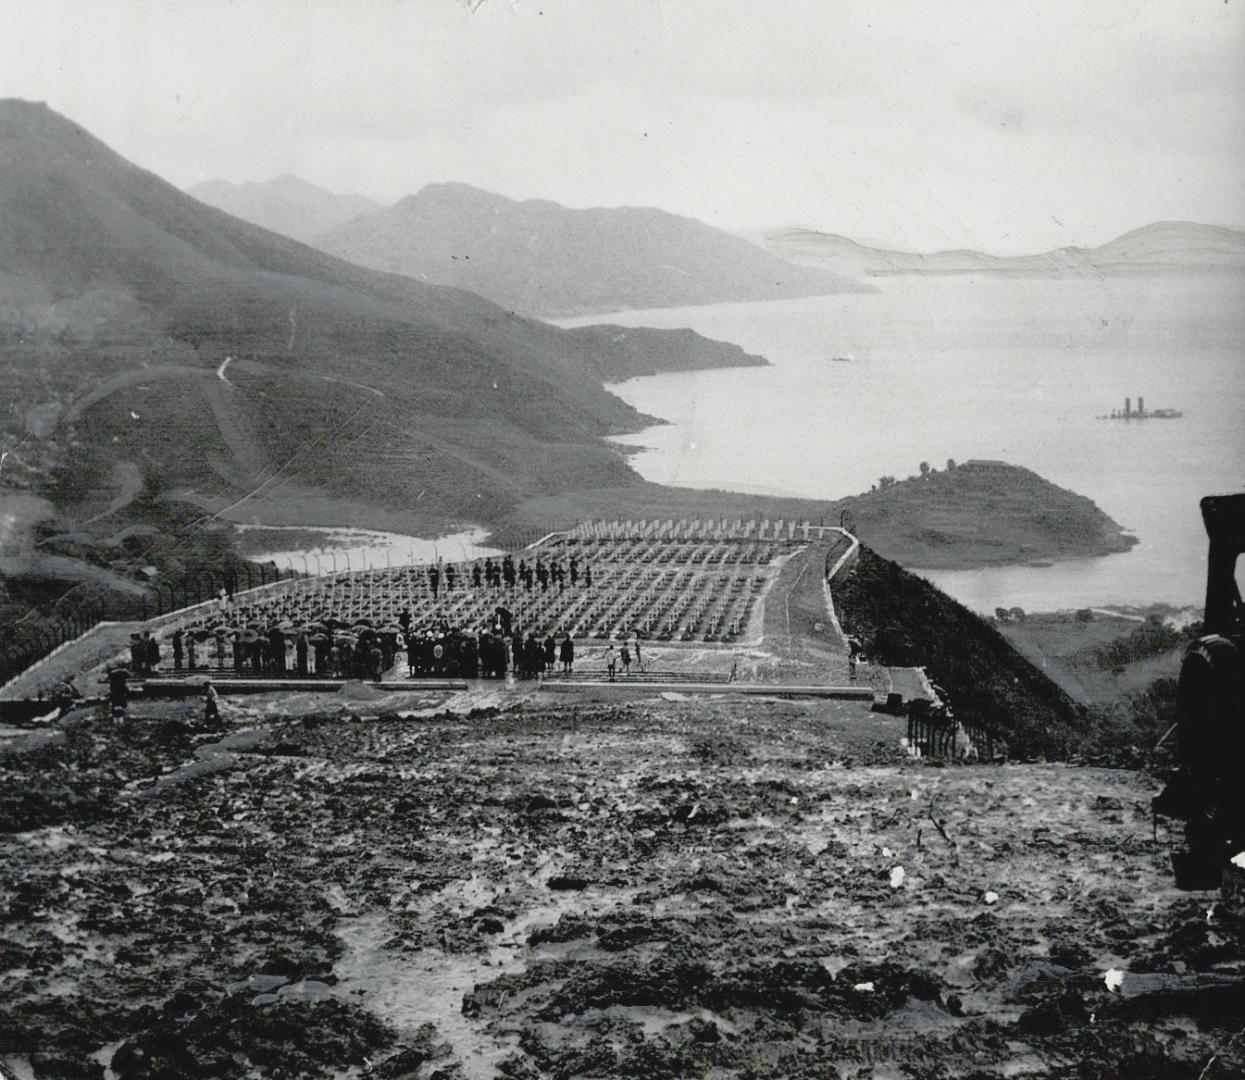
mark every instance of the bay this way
{"type": "Point", "coordinates": [977, 366]}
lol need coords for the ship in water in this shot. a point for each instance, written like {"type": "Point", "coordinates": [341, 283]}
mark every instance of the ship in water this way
{"type": "Point", "coordinates": [1140, 413]}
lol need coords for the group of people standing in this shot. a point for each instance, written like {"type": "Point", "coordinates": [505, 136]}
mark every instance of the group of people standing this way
{"type": "Point", "coordinates": [362, 652]}
{"type": "Point", "coordinates": [144, 653]}
{"type": "Point", "coordinates": [506, 573]}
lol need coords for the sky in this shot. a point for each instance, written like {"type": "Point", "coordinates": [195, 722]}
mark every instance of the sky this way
{"type": "Point", "coordinates": [1004, 125]}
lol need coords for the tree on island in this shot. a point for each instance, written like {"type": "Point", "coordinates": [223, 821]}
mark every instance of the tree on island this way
{"type": "Point", "coordinates": [925, 470]}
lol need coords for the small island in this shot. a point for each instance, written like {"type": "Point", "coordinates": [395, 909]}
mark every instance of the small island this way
{"type": "Point", "coordinates": [978, 514]}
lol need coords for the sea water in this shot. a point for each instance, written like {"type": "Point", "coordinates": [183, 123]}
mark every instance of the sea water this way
{"type": "Point", "coordinates": [977, 366]}
{"type": "Point", "coordinates": [335, 549]}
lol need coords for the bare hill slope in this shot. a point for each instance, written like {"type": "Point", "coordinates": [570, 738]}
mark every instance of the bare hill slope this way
{"type": "Point", "coordinates": [123, 292]}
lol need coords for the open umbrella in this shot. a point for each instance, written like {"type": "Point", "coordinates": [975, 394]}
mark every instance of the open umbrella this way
{"type": "Point", "coordinates": [249, 635]}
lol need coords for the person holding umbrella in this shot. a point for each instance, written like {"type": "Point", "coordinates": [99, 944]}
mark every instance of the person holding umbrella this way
{"type": "Point", "coordinates": [248, 639]}
{"type": "Point", "coordinates": [320, 649]}
{"type": "Point", "coordinates": [300, 654]}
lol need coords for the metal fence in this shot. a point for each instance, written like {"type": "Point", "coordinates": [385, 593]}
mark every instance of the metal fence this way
{"type": "Point", "coordinates": [26, 643]}
{"type": "Point", "coordinates": [933, 733]}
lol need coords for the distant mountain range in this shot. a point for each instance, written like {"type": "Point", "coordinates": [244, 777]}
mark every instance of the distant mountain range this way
{"type": "Point", "coordinates": [541, 258]}
{"type": "Point", "coordinates": [286, 204]}
{"type": "Point", "coordinates": [534, 257]}
{"type": "Point", "coordinates": [1167, 246]}
{"type": "Point", "coordinates": [121, 299]}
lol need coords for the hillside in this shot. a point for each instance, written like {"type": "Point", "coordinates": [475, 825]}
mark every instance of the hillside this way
{"type": "Point", "coordinates": [981, 514]}
{"type": "Point", "coordinates": [286, 204]}
{"type": "Point", "coordinates": [628, 352]}
{"type": "Point", "coordinates": [1103, 657]}
{"type": "Point", "coordinates": [355, 392]}
{"type": "Point", "coordinates": [1162, 247]}
{"type": "Point", "coordinates": [540, 258]}
{"type": "Point", "coordinates": [901, 619]}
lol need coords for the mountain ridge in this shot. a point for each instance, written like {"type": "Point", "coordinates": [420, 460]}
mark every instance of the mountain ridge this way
{"type": "Point", "coordinates": [538, 257]}
{"type": "Point", "coordinates": [286, 204]}
{"type": "Point", "coordinates": [433, 396]}
{"type": "Point", "coordinates": [1158, 246]}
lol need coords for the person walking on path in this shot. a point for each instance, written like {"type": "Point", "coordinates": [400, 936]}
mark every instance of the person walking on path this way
{"type": "Point", "coordinates": [551, 653]}
{"type": "Point", "coordinates": [178, 651]}
{"type": "Point", "coordinates": [568, 654]}
{"type": "Point", "coordinates": [638, 662]}
{"type": "Point", "coordinates": [626, 659]}
{"type": "Point", "coordinates": [211, 706]}
{"type": "Point", "coordinates": [611, 662]}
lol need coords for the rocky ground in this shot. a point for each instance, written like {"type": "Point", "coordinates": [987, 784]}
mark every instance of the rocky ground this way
{"type": "Point", "coordinates": [362, 885]}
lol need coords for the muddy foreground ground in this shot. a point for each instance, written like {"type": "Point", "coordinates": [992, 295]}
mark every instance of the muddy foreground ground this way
{"type": "Point", "coordinates": [653, 888]}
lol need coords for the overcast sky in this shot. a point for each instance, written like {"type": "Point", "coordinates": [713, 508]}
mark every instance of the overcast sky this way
{"type": "Point", "coordinates": [1007, 125]}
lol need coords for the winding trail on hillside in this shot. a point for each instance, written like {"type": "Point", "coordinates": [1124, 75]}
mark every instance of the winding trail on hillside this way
{"type": "Point", "coordinates": [129, 481]}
